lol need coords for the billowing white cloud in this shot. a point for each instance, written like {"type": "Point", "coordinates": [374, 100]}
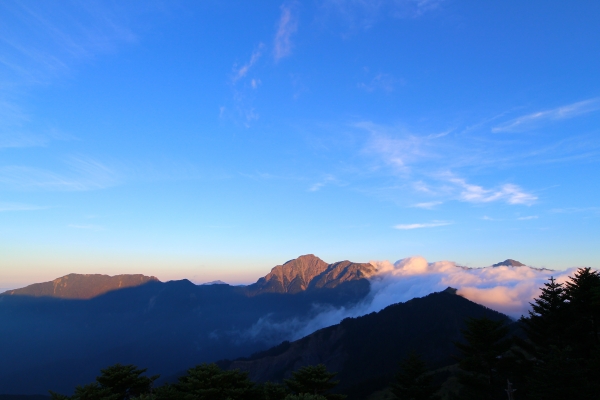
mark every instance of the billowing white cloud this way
{"type": "Point", "coordinates": [287, 26]}
{"type": "Point", "coordinates": [533, 120]}
{"type": "Point", "coordinates": [505, 289]}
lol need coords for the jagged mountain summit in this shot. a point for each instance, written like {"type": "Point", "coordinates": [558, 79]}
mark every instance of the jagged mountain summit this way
{"type": "Point", "coordinates": [81, 286]}
{"type": "Point", "coordinates": [310, 272]}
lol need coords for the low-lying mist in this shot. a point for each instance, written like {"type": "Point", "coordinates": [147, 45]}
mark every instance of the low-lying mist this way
{"type": "Point", "coordinates": [505, 289]}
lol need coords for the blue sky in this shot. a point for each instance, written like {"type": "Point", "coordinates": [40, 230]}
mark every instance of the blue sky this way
{"type": "Point", "coordinates": [213, 140]}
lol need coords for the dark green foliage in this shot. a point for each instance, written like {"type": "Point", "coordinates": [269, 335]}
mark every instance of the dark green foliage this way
{"type": "Point", "coordinates": [563, 341]}
{"type": "Point", "coordinates": [117, 382]}
{"type": "Point", "coordinates": [559, 376]}
{"type": "Point", "coordinates": [584, 310]}
{"type": "Point", "coordinates": [314, 379]}
{"type": "Point", "coordinates": [305, 396]}
{"type": "Point", "coordinates": [546, 324]}
{"type": "Point", "coordinates": [209, 382]}
{"type": "Point", "coordinates": [413, 382]}
{"type": "Point", "coordinates": [481, 363]}
{"type": "Point", "coordinates": [125, 381]}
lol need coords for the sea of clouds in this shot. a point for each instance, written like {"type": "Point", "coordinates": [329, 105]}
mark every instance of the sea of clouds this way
{"type": "Point", "coordinates": [505, 289]}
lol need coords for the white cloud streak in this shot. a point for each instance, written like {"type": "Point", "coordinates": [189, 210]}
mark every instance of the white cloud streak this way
{"type": "Point", "coordinates": [84, 174]}
{"type": "Point", "coordinates": [95, 228]}
{"type": "Point", "coordinates": [428, 205]}
{"type": "Point", "coordinates": [381, 81]}
{"type": "Point", "coordinates": [7, 207]}
{"type": "Point", "coordinates": [317, 186]}
{"type": "Point", "coordinates": [287, 26]}
{"type": "Point", "coordinates": [242, 71]}
{"type": "Point", "coordinates": [419, 226]}
{"type": "Point", "coordinates": [511, 194]}
{"type": "Point", "coordinates": [536, 119]}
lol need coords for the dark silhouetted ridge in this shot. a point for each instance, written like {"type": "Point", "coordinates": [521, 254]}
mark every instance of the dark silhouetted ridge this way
{"type": "Point", "coordinates": [365, 351]}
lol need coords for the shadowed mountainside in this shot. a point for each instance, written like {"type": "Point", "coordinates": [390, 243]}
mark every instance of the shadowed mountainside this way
{"type": "Point", "coordinates": [81, 286]}
{"type": "Point", "coordinates": [365, 351]}
{"type": "Point", "coordinates": [57, 343]}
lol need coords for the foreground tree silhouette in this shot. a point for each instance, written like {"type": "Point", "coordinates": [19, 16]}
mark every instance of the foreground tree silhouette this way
{"type": "Point", "coordinates": [584, 309]}
{"type": "Point", "coordinates": [413, 381]}
{"type": "Point", "coordinates": [546, 324]}
{"type": "Point", "coordinates": [315, 380]}
{"type": "Point", "coordinates": [563, 343]}
{"type": "Point", "coordinates": [209, 382]}
{"type": "Point", "coordinates": [117, 382]}
{"type": "Point", "coordinates": [305, 396]}
{"type": "Point", "coordinates": [486, 341]}
{"type": "Point", "coordinates": [273, 391]}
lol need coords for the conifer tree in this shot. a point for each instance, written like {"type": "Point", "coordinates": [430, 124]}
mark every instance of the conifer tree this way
{"type": "Point", "coordinates": [546, 324]}
{"type": "Point", "coordinates": [209, 382]}
{"type": "Point", "coordinates": [584, 309]}
{"type": "Point", "coordinates": [314, 379]}
{"type": "Point", "coordinates": [481, 358]}
{"type": "Point", "coordinates": [413, 382]}
{"type": "Point", "coordinates": [117, 382]}
{"type": "Point", "coordinates": [273, 391]}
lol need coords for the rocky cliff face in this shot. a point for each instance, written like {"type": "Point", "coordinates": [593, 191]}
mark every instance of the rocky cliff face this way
{"type": "Point", "coordinates": [80, 286]}
{"type": "Point", "coordinates": [310, 272]}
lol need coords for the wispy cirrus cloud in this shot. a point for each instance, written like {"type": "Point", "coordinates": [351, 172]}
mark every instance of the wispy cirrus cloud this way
{"type": "Point", "coordinates": [286, 27]}
{"type": "Point", "coordinates": [380, 81]}
{"type": "Point", "coordinates": [83, 173]}
{"type": "Point", "coordinates": [418, 160]}
{"type": "Point", "coordinates": [366, 13]}
{"type": "Point", "coordinates": [7, 207]}
{"type": "Point", "coordinates": [87, 227]}
{"type": "Point", "coordinates": [43, 41]}
{"type": "Point", "coordinates": [241, 72]}
{"type": "Point", "coordinates": [429, 205]}
{"type": "Point", "coordinates": [510, 193]}
{"type": "Point", "coordinates": [533, 120]}
{"type": "Point", "coordinates": [319, 185]}
{"type": "Point", "coordinates": [422, 225]}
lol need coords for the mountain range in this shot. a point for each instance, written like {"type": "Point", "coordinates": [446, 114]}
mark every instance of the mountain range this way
{"type": "Point", "coordinates": [59, 334]}
{"type": "Point", "coordinates": [56, 335]}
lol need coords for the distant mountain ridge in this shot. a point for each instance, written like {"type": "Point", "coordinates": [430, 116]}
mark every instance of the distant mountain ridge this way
{"type": "Point", "coordinates": [81, 286]}
{"type": "Point", "coordinates": [509, 263]}
{"type": "Point", "coordinates": [310, 272]}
